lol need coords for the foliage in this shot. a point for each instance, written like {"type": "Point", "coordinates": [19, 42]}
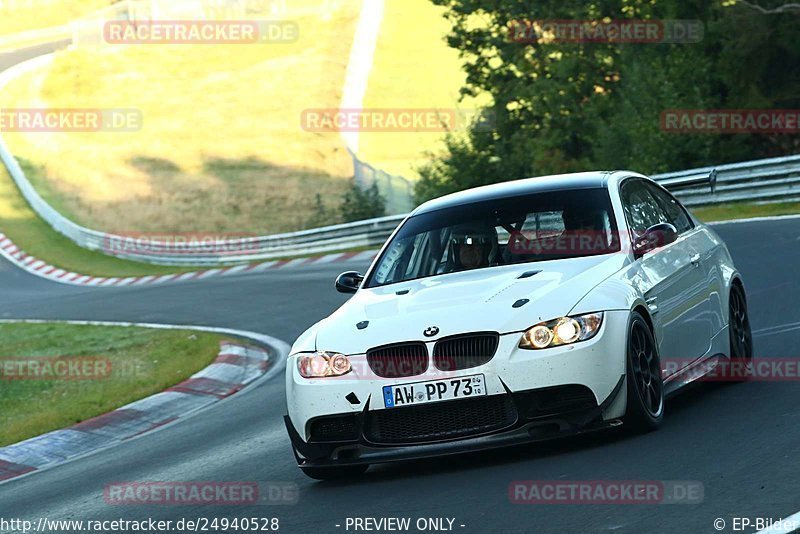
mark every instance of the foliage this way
{"type": "Point", "coordinates": [566, 106]}
{"type": "Point", "coordinates": [359, 204]}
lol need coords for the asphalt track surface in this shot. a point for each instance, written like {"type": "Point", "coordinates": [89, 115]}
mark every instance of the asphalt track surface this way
{"type": "Point", "coordinates": [741, 441]}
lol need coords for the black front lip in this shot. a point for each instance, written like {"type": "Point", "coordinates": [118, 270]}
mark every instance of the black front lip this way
{"type": "Point", "coordinates": [331, 454]}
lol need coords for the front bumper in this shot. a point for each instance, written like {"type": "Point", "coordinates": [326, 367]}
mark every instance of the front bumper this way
{"type": "Point", "coordinates": [596, 366]}
{"type": "Point", "coordinates": [525, 428]}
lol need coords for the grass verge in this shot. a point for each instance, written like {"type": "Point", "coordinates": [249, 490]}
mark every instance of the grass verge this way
{"type": "Point", "coordinates": [29, 232]}
{"type": "Point", "coordinates": [413, 67]}
{"type": "Point", "coordinates": [221, 146]}
{"type": "Point", "coordinates": [143, 362]}
{"type": "Point", "coordinates": [739, 210]}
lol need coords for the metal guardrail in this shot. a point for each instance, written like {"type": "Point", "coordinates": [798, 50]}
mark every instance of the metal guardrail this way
{"type": "Point", "coordinates": [764, 180]}
{"type": "Point", "coordinates": [369, 233]}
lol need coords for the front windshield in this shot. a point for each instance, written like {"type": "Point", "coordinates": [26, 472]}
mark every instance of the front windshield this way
{"type": "Point", "coordinates": [503, 231]}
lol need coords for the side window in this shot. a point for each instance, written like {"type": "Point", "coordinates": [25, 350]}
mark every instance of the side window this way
{"type": "Point", "coordinates": [676, 213]}
{"type": "Point", "coordinates": [641, 209]}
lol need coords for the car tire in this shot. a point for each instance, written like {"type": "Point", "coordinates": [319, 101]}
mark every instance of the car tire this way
{"type": "Point", "coordinates": [645, 387]}
{"type": "Point", "coordinates": [741, 337]}
{"type": "Point", "coordinates": [335, 473]}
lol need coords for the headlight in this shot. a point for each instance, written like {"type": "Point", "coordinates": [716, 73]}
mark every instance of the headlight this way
{"type": "Point", "coordinates": [562, 331]}
{"type": "Point", "coordinates": [323, 363]}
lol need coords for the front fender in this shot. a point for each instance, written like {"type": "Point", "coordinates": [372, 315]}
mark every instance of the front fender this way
{"type": "Point", "coordinates": [307, 342]}
{"type": "Point", "coordinates": [611, 294]}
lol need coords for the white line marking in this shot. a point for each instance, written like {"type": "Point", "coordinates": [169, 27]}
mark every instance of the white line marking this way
{"type": "Point", "coordinates": [777, 328]}
{"type": "Point", "coordinates": [757, 219]}
{"type": "Point", "coordinates": [327, 258]}
{"type": "Point", "coordinates": [272, 342]}
{"type": "Point", "coordinates": [262, 266]}
{"type": "Point", "coordinates": [234, 270]}
{"type": "Point", "coordinates": [164, 278]}
{"type": "Point", "coordinates": [787, 525]}
{"type": "Point", "coordinates": [293, 263]}
{"type": "Point", "coordinates": [208, 273]}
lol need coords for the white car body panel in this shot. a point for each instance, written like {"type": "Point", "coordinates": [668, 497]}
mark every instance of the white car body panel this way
{"type": "Point", "coordinates": [462, 302]}
{"type": "Point", "coordinates": [596, 363]}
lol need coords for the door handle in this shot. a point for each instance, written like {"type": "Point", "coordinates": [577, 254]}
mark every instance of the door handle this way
{"type": "Point", "coordinates": [695, 260]}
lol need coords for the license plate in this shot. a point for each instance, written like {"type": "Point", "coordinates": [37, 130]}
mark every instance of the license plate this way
{"type": "Point", "coordinates": [434, 391]}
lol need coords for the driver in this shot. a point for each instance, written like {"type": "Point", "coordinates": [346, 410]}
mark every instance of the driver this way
{"type": "Point", "coordinates": [576, 220]}
{"type": "Point", "coordinates": [474, 245]}
{"type": "Point", "coordinates": [587, 231]}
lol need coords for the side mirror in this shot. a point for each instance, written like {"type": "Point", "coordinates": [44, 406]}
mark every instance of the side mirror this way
{"type": "Point", "coordinates": [658, 235]}
{"type": "Point", "coordinates": [349, 282]}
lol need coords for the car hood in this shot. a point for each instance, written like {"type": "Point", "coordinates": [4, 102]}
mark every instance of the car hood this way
{"type": "Point", "coordinates": [470, 301]}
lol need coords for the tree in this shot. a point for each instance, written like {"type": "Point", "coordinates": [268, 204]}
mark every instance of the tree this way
{"type": "Point", "coordinates": [565, 106]}
{"type": "Point", "coordinates": [359, 204]}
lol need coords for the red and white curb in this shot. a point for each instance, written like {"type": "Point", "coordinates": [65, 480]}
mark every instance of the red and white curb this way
{"type": "Point", "coordinates": [236, 367]}
{"type": "Point", "coordinates": [40, 268]}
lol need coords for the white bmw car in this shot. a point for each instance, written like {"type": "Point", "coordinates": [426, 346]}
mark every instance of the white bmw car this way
{"type": "Point", "coordinates": [512, 313]}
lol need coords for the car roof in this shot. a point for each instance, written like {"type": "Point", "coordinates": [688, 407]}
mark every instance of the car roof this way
{"type": "Point", "coordinates": [540, 184]}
